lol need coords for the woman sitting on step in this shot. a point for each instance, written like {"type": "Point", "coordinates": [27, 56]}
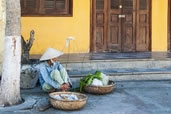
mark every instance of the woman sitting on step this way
{"type": "Point", "coordinates": [52, 75]}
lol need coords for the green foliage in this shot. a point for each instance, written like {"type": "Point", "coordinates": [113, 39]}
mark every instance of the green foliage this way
{"type": "Point", "coordinates": [86, 81]}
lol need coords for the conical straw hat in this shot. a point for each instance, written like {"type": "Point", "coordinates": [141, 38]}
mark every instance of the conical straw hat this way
{"type": "Point", "coordinates": [51, 53]}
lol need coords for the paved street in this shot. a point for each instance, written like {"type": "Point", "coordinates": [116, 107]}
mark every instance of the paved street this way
{"type": "Point", "coordinates": [131, 97]}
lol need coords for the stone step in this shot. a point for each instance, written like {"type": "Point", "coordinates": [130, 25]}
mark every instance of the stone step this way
{"type": "Point", "coordinates": [147, 63]}
{"type": "Point", "coordinates": [133, 76]}
{"type": "Point", "coordinates": [123, 70]}
{"type": "Point", "coordinates": [120, 66]}
{"type": "Point", "coordinates": [119, 70]}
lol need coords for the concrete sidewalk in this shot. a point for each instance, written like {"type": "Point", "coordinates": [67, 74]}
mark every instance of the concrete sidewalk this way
{"type": "Point", "coordinates": [131, 97]}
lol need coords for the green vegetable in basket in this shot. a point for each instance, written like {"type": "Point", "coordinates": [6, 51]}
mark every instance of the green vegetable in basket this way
{"type": "Point", "coordinates": [89, 81]}
{"type": "Point", "coordinates": [86, 81]}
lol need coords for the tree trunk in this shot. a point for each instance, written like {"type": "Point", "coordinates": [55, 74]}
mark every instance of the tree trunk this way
{"type": "Point", "coordinates": [10, 83]}
{"type": "Point", "coordinates": [2, 30]}
{"type": "Point", "coordinates": [26, 46]}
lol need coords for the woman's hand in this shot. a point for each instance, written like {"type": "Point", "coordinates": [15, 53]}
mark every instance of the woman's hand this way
{"type": "Point", "coordinates": [65, 87]}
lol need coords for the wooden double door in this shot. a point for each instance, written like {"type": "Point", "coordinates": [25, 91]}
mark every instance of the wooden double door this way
{"type": "Point", "coordinates": [120, 25]}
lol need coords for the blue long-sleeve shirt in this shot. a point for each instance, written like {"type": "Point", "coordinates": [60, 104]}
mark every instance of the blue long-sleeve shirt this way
{"type": "Point", "coordinates": [45, 70]}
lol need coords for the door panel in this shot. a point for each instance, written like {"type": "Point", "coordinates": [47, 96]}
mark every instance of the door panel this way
{"type": "Point", "coordinates": [99, 38]}
{"type": "Point", "coordinates": [143, 25]}
{"type": "Point", "coordinates": [114, 34]}
{"type": "Point", "coordinates": [128, 26]}
{"type": "Point", "coordinates": [121, 25]}
{"type": "Point", "coordinates": [100, 25]}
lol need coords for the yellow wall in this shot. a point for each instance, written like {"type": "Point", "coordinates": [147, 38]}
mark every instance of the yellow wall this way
{"type": "Point", "coordinates": [53, 31]}
{"type": "Point", "coordinates": [159, 25]}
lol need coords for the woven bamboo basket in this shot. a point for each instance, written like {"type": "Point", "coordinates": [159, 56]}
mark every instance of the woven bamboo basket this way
{"type": "Point", "coordinates": [100, 89]}
{"type": "Point", "coordinates": [68, 105]}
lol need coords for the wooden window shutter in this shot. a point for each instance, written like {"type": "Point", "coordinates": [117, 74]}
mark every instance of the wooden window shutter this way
{"type": "Point", "coordinates": [29, 7]}
{"type": "Point", "coordinates": [22, 4]}
{"type": "Point", "coordinates": [49, 4]}
{"type": "Point", "coordinates": [52, 7]}
{"type": "Point", "coordinates": [61, 4]}
{"type": "Point", "coordinates": [46, 7]}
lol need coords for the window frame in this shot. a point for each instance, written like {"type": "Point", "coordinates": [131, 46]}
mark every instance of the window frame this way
{"type": "Point", "coordinates": [40, 10]}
